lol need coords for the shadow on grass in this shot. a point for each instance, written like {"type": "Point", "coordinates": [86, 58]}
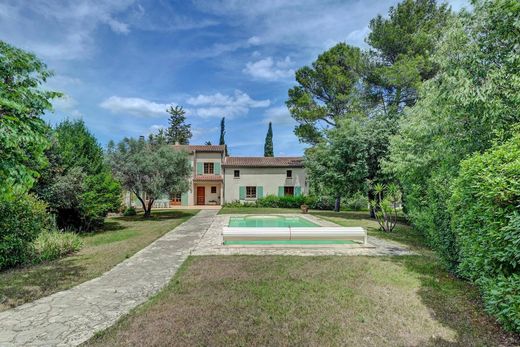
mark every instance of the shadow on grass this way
{"type": "Point", "coordinates": [454, 303]}
{"type": "Point", "coordinates": [156, 216]}
{"type": "Point", "coordinates": [20, 285]}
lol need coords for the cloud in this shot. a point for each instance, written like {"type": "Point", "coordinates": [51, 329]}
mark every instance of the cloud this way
{"type": "Point", "coordinates": [67, 105]}
{"type": "Point", "coordinates": [268, 69]}
{"type": "Point", "coordinates": [279, 115]}
{"type": "Point", "coordinates": [134, 106]}
{"type": "Point", "coordinates": [220, 105]}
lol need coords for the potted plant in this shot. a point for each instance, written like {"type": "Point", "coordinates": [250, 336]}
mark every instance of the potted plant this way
{"type": "Point", "coordinates": [304, 208]}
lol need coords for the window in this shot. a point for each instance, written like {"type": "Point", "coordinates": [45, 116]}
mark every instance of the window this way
{"type": "Point", "coordinates": [209, 168]}
{"type": "Point", "coordinates": [250, 192]}
{"type": "Point", "coordinates": [289, 173]}
{"type": "Point", "coordinates": [213, 190]}
{"type": "Point", "coordinates": [236, 174]}
{"type": "Point", "coordinates": [288, 191]}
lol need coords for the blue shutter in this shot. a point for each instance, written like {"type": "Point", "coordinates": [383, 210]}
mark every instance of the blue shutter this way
{"type": "Point", "coordinates": [281, 191]}
{"type": "Point", "coordinates": [200, 168]}
{"type": "Point", "coordinates": [217, 169]}
{"type": "Point", "coordinates": [259, 192]}
{"type": "Point", "coordinates": [297, 190]}
{"type": "Point", "coordinates": [184, 199]}
{"type": "Point", "coordinates": [242, 193]}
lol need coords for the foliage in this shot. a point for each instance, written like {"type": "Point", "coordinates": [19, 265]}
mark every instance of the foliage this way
{"type": "Point", "coordinates": [470, 103]}
{"type": "Point", "coordinates": [268, 145]}
{"type": "Point", "coordinates": [222, 140]}
{"type": "Point", "coordinates": [356, 202]}
{"type": "Point", "coordinates": [77, 184]}
{"type": "Point", "coordinates": [178, 131]}
{"type": "Point", "coordinates": [384, 205]}
{"type": "Point", "coordinates": [22, 131]}
{"type": "Point", "coordinates": [130, 211]}
{"type": "Point", "coordinates": [337, 166]}
{"type": "Point", "coordinates": [273, 201]}
{"type": "Point", "coordinates": [21, 221]}
{"type": "Point", "coordinates": [326, 92]}
{"type": "Point", "coordinates": [50, 245]}
{"type": "Point", "coordinates": [149, 171]}
{"type": "Point", "coordinates": [485, 218]}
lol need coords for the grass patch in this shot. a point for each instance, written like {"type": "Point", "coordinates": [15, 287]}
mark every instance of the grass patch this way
{"type": "Point", "coordinates": [289, 300]}
{"type": "Point", "coordinates": [120, 238]}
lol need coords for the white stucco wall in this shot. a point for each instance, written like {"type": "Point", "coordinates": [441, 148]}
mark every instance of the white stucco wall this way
{"type": "Point", "coordinates": [269, 178]}
{"type": "Point", "coordinates": [204, 157]}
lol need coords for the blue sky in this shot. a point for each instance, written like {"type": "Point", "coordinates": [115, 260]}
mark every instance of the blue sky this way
{"type": "Point", "coordinates": [122, 62]}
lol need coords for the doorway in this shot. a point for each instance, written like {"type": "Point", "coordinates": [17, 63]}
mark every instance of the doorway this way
{"type": "Point", "coordinates": [201, 195]}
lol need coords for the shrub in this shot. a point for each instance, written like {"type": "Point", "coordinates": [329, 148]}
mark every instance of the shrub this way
{"type": "Point", "coordinates": [485, 217]}
{"type": "Point", "coordinates": [357, 202]}
{"type": "Point", "coordinates": [130, 212]}
{"type": "Point", "coordinates": [51, 245]}
{"type": "Point", "coordinates": [21, 221]}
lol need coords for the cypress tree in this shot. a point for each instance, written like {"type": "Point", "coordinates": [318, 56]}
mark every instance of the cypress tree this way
{"type": "Point", "coordinates": [223, 132]}
{"type": "Point", "coordinates": [268, 146]}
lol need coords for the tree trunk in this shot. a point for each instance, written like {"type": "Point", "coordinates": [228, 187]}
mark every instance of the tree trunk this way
{"type": "Point", "coordinates": [337, 204]}
{"type": "Point", "coordinates": [148, 210]}
{"type": "Point", "coordinates": [371, 197]}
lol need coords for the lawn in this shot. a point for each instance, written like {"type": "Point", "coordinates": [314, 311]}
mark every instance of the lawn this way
{"type": "Point", "coordinates": [120, 238]}
{"type": "Point", "coordinates": [289, 300]}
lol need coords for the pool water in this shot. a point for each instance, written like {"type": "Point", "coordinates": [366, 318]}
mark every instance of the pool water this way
{"type": "Point", "coordinates": [270, 222]}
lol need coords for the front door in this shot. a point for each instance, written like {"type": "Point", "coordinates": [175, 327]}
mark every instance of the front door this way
{"type": "Point", "coordinates": [201, 195]}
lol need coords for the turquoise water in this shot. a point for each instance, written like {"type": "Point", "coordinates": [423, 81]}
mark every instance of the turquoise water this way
{"type": "Point", "coordinates": [270, 222]}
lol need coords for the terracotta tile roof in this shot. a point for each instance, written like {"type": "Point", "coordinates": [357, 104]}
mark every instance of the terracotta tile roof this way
{"type": "Point", "coordinates": [201, 148]}
{"type": "Point", "coordinates": [208, 178]}
{"type": "Point", "coordinates": [263, 161]}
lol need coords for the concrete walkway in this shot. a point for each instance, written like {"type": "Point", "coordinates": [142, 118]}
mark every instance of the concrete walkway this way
{"type": "Point", "coordinates": [71, 317]}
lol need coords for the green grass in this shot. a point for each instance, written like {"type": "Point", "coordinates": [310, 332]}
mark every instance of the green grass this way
{"type": "Point", "coordinates": [120, 238]}
{"type": "Point", "coordinates": [320, 301]}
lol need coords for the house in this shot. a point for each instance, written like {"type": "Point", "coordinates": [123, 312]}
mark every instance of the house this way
{"type": "Point", "coordinates": [218, 178]}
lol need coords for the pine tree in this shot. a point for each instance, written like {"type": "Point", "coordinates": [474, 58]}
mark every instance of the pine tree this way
{"type": "Point", "coordinates": [223, 133]}
{"type": "Point", "coordinates": [178, 131]}
{"type": "Point", "coordinates": [268, 146]}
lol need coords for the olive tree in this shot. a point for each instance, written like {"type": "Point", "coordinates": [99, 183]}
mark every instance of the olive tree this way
{"type": "Point", "coordinates": [149, 170]}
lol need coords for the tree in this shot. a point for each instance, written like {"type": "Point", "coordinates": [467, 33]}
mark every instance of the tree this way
{"type": "Point", "coordinates": [178, 131]}
{"type": "Point", "coordinates": [77, 184]}
{"type": "Point", "coordinates": [222, 141]}
{"type": "Point", "coordinates": [268, 145]}
{"type": "Point", "coordinates": [327, 91]}
{"type": "Point", "coordinates": [148, 170]}
{"type": "Point", "coordinates": [337, 164]}
{"type": "Point", "coordinates": [208, 143]}
{"type": "Point", "coordinates": [22, 132]}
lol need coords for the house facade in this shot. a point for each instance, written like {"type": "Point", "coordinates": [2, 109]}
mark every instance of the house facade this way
{"type": "Point", "coordinates": [217, 178]}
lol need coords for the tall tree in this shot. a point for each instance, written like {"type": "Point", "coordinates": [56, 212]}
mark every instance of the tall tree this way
{"type": "Point", "coordinates": [222, 140]}
{"type": "Point", "coordinates": [268, 145]}
{"type": "Point", "coordinates": [149, 171]}
{"type": "Point", "coordinates": [178, 131]}
{"type": "Point", "coordinates": [22, 132]}
{"type": "Point", "coordinates": [326, 92]}
{"type": "Point", "coordinates": [337, 164]}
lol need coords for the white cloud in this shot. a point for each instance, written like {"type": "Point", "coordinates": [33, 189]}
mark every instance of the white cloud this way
{"type": "Point", "coordinates": [279, 115]}
{"type": "Point", "coordinates": [220, 105]}
{"type": "Point", "coordinates": [67, 105]}
{"type": "Point", "coordinates": [134, 106]}
{"type": "Point", "coordinates": [269, 69]}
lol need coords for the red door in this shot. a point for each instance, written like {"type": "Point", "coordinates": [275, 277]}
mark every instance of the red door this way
{"type": "Point", "coordinates": [201, 195]}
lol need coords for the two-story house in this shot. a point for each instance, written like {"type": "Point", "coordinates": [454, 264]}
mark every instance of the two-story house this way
{"type": "Point", "coordinates": [218, 178]}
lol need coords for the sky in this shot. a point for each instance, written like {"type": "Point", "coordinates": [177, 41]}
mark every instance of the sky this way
{"type": "Point", "coordinates": [122, 63]}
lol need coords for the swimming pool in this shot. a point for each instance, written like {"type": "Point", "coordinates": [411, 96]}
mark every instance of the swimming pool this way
{"type": "Point", "coordinates": [271, 221]}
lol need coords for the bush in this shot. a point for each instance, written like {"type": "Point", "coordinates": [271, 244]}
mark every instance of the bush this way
{"type": "Point", "coordinates": [21, 221]}
{"type": "Point", "coordinates": [273, 201]}
{"type": "Point", "coordinates": [129, 212]}
{"type": "Point", "coordinates": [51, 245]}
{"type": "Point", "coordinates": [357, 202]}
{"type": "Point", "coordinates": [486, 221]}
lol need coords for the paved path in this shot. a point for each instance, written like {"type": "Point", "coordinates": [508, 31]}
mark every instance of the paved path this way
{"type": "Point", "coordinates": [70, 317]}
{"type": "Point", "coordinates": [211, 244]}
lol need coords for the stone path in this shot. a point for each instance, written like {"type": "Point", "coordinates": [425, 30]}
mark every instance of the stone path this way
{"type": "Point", "coordinates": [211, 244]}
{"type": "Point", "coordinates": [71, 317]}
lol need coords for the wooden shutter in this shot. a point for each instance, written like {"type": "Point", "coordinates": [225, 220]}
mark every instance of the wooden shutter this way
{"type": "Point", "coordinates": [297, 190]}
{"type": "Point", "coordinates": [242, 193]}
{"type": "Point", "coordinates": [200, 168]}
{"type": "Point", "coordinates": [216, 169]}
{"type": "Point", "coordinates": [281, 191]}
{"type": "Point", "coordinates": [259, 192]}
{"type": "Point", "coordinates": [184, 199]}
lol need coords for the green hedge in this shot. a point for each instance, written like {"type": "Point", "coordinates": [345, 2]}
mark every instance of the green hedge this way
{"type": "Point", "coordinates": [315, 203]}
{"type": "Point", "coordinates": [485, 215]}
{"type": "Point", "coordinates": [21, 221]}
{"type": "Point", "coordinates": [51, 245]}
